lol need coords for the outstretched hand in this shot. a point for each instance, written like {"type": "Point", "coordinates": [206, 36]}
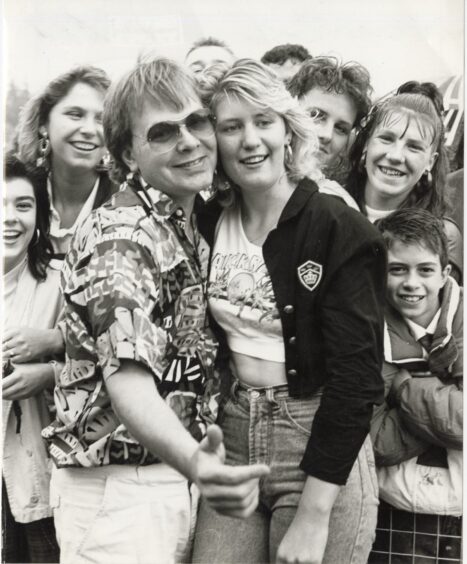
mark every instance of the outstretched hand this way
{"type": "Point", "coordinates": [230, 490]}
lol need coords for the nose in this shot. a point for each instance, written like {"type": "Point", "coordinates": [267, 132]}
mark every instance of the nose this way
{"type": "Point", "coordinates": [411, 281]}
{"type": "Point", "coordinates": [186, 141]}
{"type": "Point", "coordinates": [9, 213]}
{"type": "Point", "coordinates": [324, 129]}
{"type": "Point", "coordinates": [250, 137]}
{"type": "Point", "coordinates": [395, 152]}
{"type": "Point", "coordinates": [90, 126]}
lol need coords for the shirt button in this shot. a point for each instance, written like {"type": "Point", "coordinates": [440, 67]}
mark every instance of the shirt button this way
{"type": "Point", "coordinates": [293, 341]}
{"type": "Point", "coordinates": [292, 372]}
{"type": "Point", "coordinates": [34, 499]}
{"type": "Point", "coordinates": [288, 309]}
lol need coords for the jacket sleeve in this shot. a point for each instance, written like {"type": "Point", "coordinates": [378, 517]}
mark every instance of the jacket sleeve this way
{"type": "Point", "coordinates": [393, 442]}
{"type": "Point", "coordinates": [432, 410]}
{"type": "Point", "coordinates": [351, 318]}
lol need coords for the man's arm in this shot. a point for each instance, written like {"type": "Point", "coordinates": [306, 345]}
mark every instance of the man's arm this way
{"type": "Point", "coordinates": [231, 490]}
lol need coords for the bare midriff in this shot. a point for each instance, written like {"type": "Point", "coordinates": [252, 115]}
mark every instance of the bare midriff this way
{"type": "Point", "coordinates": [257, 372]}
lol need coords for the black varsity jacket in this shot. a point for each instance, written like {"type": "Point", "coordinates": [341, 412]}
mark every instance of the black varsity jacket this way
{"type": "Point", "coordinates": [327, 265]}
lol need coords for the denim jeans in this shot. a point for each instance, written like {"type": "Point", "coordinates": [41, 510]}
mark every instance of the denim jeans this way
{"type": "Point", "coordinates": [267, 425]}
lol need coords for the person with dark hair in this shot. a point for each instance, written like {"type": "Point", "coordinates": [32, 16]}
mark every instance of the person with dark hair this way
{"type": "Point", "coordinates": [206, 52]}
{"type": "Point", "coordinates": [417, 432]}
{"type": "Point", "coordinates": [285, 60]}
{"type": "Point", "coordinates": [399, 160]}
{"type": "Point", "coordinates": [31, 297]}
{"type": "Point", "coordinates": [138, 389]}
{"type": "Point", "coordinates": [296, 287]}
{"type": "Point", "coordinates": [337, 96]}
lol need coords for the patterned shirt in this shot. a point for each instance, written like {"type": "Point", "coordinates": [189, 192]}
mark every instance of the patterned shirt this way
{"type": "Point", "coordinates": [134, 287]}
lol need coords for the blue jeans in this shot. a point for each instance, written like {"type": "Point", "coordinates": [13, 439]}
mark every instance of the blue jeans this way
{"type": "Point", "coordinates": [267, 425]}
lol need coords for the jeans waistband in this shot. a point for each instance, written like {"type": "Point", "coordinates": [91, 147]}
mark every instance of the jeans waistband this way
{"type": "Point", "coordinates": [255, 392]}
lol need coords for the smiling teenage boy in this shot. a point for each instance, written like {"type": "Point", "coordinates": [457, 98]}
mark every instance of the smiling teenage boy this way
{"type": "Point", "coordinates": [417, 433]}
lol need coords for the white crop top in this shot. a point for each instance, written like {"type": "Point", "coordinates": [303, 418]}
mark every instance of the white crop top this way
{"type": "Point", "coordinates": [240, 293]}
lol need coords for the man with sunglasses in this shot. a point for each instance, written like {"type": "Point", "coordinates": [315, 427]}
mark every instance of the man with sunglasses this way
{"type": "Point", "coordinates": [139, 389]}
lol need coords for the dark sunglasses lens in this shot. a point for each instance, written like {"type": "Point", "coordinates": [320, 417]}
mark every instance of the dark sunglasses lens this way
{"type": "Point", "coordinates": [199, 122]}
{"type": "Point", "coordinates": [162, 132]}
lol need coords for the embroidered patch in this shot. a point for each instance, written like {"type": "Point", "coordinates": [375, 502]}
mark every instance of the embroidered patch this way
{"type": "Point", "coordinates": [309, 274]}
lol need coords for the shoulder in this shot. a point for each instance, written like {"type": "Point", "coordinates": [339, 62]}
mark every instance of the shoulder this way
{"type": "Point", "coordinates": [105, 190]}
{"type": "Point", "coordinates": [332, 213]}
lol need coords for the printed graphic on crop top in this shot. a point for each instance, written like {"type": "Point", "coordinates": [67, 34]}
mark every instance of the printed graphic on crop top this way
{"type": "Point", "coordinates": [240, 293]}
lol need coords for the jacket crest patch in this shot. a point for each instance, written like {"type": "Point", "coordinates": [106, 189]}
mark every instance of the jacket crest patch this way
{"type": "Point", "coordinates": [309, 274]}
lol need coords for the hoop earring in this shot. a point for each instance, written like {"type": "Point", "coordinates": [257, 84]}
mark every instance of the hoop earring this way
{"type": "Point", "coordinates": [288, 155]}
{"type": "Point", "coordinates": [43, 150]}
{"type": "Point", "coordinates": [362, 162]}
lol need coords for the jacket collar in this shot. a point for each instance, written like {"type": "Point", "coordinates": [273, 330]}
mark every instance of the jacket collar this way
{"type": "Point", "coordinates": [305, 189]}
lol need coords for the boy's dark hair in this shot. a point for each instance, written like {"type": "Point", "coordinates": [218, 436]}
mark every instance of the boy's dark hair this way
{"type": "Point", "coordinates": [209, 42]}
{"type": "Point", "coordinates": [330, 75]}
{"type": "Point", "coordinates": [40, 249]}
{"type": "Point", "coordinates": [415, 226]}
{"type": "Point", "coordinates": [279, 54]}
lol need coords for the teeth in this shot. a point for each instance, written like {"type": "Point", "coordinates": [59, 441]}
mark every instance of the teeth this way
{"type": "Point", "coordinates": [390, 171]}
{"type": "Point", "coordinates": [254, 160]}
{"type": "Point", "coordinates": [192, 163]}
{"type": "Point", "coordinates": [84, 146]}
{"type": "Point", "coordinates": [411, 299]}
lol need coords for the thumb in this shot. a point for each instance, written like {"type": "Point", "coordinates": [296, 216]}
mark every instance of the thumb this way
{"type": "Point", "coordinates": [213, 440]}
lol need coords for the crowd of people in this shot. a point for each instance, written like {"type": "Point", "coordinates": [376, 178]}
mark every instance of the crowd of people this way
{"type": "Point", "coordinates": [233, 317]}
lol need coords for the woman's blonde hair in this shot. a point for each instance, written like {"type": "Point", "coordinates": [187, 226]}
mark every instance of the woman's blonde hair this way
{"type": "Point", "coordinates": [255, 83]}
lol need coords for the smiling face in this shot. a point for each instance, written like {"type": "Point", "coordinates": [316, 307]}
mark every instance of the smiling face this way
{"type": "Point", "coordinates": [251, 143]}
{"type": "Point", "coordinates": [74, 127]}
{"type": "Point", "coordinates": [399, 151]}
{"type": "Point", "coordinates": [182, 171]}
{"type": "Point", "coordinates": [415, 278]}
{"type": "Point", "coordinates": [19, 220]}
{"type": "Point", "coordinates": [334, 116]}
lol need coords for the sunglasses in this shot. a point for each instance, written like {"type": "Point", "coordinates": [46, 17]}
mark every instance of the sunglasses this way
{"type": "Point", "coordinates": [163, 136]}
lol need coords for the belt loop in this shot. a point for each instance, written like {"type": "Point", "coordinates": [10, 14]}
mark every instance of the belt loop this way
{"type": "Point", "coordinates": [233, 390]}
{"type": "Point", "coordinates": [270, 396]}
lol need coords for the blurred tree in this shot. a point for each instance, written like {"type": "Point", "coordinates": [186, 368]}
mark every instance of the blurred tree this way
{"type": "Point", "coordinates": [15, 99]}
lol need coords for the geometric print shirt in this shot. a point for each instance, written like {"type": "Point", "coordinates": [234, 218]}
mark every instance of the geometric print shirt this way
{"type": "Point", "coordinates": [135, 288]}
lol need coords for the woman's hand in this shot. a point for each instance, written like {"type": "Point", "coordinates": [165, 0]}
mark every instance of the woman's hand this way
{"type": "Point", "coordinates": [306, 538]}
{"type": "Point", "coordinates": [230, 490]}
{"type": "Point", "coordinates": [25, 344]}
{"type": "Point", "coordinates": [27, 380]}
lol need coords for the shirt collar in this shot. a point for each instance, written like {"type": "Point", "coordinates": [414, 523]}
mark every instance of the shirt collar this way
{"type": "Point", "coordinates": [55, 228]}
{"type": "Point", "coordinates": [418, 331]}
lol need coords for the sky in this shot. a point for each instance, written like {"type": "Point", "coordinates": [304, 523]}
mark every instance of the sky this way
{"type": "Point", "coordinates": [397, 40]}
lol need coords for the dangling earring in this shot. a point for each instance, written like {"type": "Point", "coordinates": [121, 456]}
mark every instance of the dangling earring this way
{"type": "Point", "coordinates": [43, 150]}
{"type": "Point", "coordinates": [429, 177]}
{"type": "Point", "coordinates": [288, 154]}
{"type": "Point", "coordinates": [130, 177]}
{"type": "Point", "coordinates": [362, 162]}
{"type": "Point", "coordinates": [104, 163]}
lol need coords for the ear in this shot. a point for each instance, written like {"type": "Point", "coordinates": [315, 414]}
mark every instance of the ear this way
{"type": "Point", "coordinates": [431, 162]}
{"type": "Point", "coordinates": [446, 272]}
{"type": "Point", "coordinates": [129, 160]}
